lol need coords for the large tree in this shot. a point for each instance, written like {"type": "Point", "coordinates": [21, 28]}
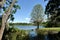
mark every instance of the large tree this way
{"type": "Point", "coordinates": [8, 9]}
{"type": "Point", "coordinates": [37, 15]}
{"type": "Point", "coordinates": [53, 12]}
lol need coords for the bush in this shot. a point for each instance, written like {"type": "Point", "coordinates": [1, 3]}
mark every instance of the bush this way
{"type": "Point", "coordinates": [15, 34]}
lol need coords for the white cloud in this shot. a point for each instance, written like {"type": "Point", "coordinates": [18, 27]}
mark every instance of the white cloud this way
{"type": "Point", "coordinates": [27, 20]}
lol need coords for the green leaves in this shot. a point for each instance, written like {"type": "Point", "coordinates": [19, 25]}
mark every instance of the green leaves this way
{"type": "Point", "coordinates": [11, 17]}
{"type": "Point", "coordinates": [53, 11]}
{"type": "Point", "coordinates": [4, 8]}
{"type": "Point", "coordinates": [13, 10]}
{"type": "Point", "coordinates": [16, 6]}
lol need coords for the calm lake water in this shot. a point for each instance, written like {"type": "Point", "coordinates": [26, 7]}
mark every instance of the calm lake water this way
{"type": "Point", "coordinates": [27, 27]}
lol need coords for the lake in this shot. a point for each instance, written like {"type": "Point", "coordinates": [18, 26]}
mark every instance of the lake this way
{"type": "Point", "coordinates": [27, 27]}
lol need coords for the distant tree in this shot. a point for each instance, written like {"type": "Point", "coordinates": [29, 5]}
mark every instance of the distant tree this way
{"type": "Point", "coordinates": [53, 12]}
{"type": "Point", "coordinates": [37, 15]}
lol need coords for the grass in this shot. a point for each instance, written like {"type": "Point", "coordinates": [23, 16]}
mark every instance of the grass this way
{"type": "Point", "coordinates": [48, 30]}
{"type": "Point", "coordinates": [52, 29]}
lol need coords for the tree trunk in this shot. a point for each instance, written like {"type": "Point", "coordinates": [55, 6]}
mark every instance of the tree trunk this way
{"type": "Point", "coordinates": [37, 25]}
{"type": "Point", "coordinates": [4, 18]}
{"type": "Point", "coordinates": [2, 28]}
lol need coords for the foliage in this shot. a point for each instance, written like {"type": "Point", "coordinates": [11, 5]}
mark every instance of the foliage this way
{"type": "Point", "coordinates": [37, 14]}
{"type": "Point", "coordinates": [40, 34]}
{"type": "Point", "coordinates": [14, 9]}
{"type": "Point", "coordinates": [15, 34]}
{"type": "Point", "coordinates": [53, 13]}
{"type": "Point", "coordinates": [44, 23]}
{"type": "Point", "coordinates": [20, 24]}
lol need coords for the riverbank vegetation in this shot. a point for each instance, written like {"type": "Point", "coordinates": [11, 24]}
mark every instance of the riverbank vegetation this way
{"type": "Point", "coordinates": [53, 13]}
{"type": "Point", "coordinates": [15, 34]}
{"type": "Point", "coordinates": [28, 24]}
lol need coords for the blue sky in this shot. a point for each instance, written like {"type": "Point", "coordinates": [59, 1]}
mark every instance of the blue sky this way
{"type": "Point", "coordinates": [23, 15]}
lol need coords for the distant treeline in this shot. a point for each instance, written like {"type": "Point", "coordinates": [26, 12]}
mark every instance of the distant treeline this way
{"type": "Point", "coordinates": [20, 23]}
{"type": "Point", "coordinates": [44, 23]}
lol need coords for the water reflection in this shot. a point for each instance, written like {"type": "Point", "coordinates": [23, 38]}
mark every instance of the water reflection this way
{"type": "Point", "coordinates": [32, 33]}
{"type": "Point", "coordinates": [27, 27]}
{"type": "Point", "coordinates": [46, 37]}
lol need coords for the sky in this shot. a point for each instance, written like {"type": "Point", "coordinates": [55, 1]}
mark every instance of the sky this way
{"type": "Point", "coordinates": [23, 14]}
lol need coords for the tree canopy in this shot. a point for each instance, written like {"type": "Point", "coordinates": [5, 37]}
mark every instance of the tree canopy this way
{"type": "Point", "coordinates": [13, 10]}
{"type": "Point", "coordinates": [37, 14]}
{"type": "Point", "coordinates": [53, 12]}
